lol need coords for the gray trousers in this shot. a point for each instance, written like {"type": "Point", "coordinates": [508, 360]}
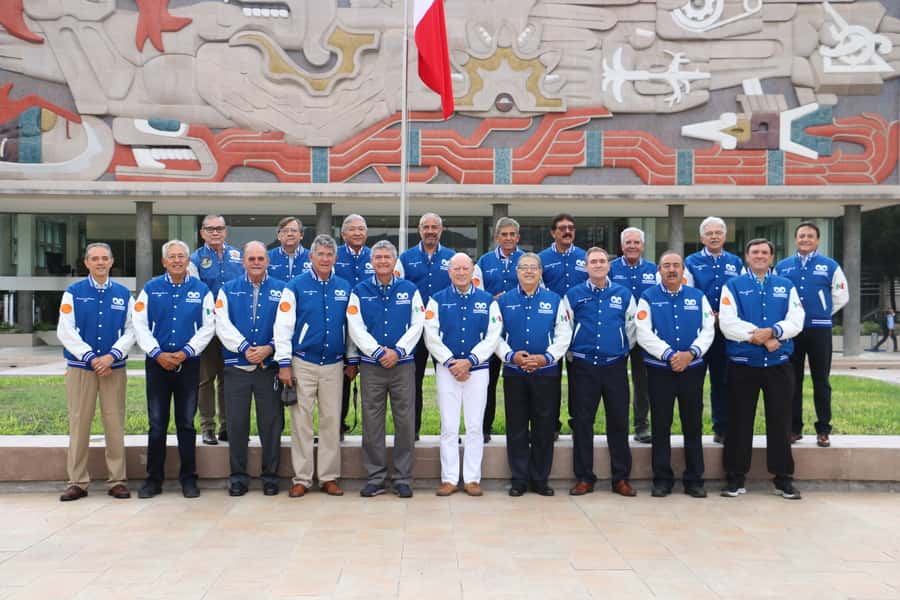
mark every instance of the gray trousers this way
{"type": "Point", "coordinates": [377, 383]}
{"type": "Point", "coordinates": [240, 385]}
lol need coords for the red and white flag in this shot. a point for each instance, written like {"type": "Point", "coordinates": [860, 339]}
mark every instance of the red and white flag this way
{"type": "Point", "coordinates": [434, 57]}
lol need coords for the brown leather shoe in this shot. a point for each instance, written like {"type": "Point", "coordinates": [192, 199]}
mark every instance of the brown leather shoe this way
{"type": "Point", "coordinates": [623, 488]}
{"type": "Point", "coordinates": [73, 492]}
{"type": "Point", "coordinates": [473, 489]}
{"type": "Point", "coordinates": [581, 488]}
{"type": "Point", "coordinates": [332, 488]}
{"type": "Point", "coordinates": [298, 490]}
{"type": "Point", "coordinates": [796, 437]}
{"type": "Point", "coordinates": [822, 440]}
{"type": "Point", "coordinates": [446, 489]}
{"type": "Point", "coordinates": [119, 491]}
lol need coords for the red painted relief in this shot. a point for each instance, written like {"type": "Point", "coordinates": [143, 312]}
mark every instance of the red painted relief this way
{"type": "Point", "coordinates": [12, 20]}
{"type": "Point", "coordinates": [10, 109]}
{"type": "Point", "coordinates": [153, 20]}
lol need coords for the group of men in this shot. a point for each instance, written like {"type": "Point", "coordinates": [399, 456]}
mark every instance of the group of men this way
{"type": "Point", "coordinates": [294, 328]}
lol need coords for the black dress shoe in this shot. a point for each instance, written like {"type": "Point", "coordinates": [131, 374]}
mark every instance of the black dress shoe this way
{"type": "Point", "coordinates": [719, 438]}
{"type": "Point", "coordinates": [517, 490]}
{"type": "Point", "coordinates": [270, 488]}
{"type": "Point", "coordinates": [237, 489]}
{"type": "Point", "coordinates": [660, 491]}
{"type": "Point", "coordinates": [695, 491]}
{"type": "Point", "coordinates": [542, 489]}
{"type": "Point", "coordinates": [223, 436]}
{"type": "Point", "coordinates": [487, 438]}
{"type": "Point", "coordinates": [149, 489]}
{"type": "Point", "coordinates": [209, 437]}
{"type": "Point", "coordinates": [189, 489]}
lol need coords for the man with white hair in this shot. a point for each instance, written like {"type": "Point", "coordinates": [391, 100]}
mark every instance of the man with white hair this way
{"type": "Point", "coordinates": [462, 328]}
{"type": "Point", "coordinates": [638, 275]}
{"type": "Point", "coordinates": [709, 270]}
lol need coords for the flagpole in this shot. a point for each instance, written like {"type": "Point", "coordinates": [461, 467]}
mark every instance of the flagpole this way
{"type": "Point", "coordinates": [404, 126]}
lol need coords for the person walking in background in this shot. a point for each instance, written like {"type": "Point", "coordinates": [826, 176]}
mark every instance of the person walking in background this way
{"type": "Point", "coordinates": [888, 325]}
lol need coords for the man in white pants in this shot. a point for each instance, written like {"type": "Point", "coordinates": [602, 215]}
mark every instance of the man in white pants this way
{"type": "Point", "coordinates": [462, 328]}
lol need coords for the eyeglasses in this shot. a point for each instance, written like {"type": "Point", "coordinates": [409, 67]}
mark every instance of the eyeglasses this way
{"type": "Point", "coordinates": [528, 268]}
{"type": "Point", "coordinates": [216, 229]}
{"type": "Point", "coordinates": [565, 228]}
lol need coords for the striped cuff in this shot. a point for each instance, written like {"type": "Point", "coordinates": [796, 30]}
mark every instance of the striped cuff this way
{"type": "Point", "coordinates": [778, 331]}
{"type": "Point", "coordinates": [154, 353]}
{"type": "Point", "coordinates": [243, 346]}
{"type": "Point", "coordinates": [88, 356]}
{"type": "Point", "coordinates": [400, 351]}
{"type": "Point", "coordinates": [549, 358]}
{"type": "Point", "coordinates": [473, 359]}
{"type": "Point", "coordinates": [189, 351]}
{"type": "Point", "coordinates": [116, 354]}
{"type": "Point", "coordinates": [379, 352]}
{"type": "Point", "coordinates": [352, 361]}
{"type": "Point", "coordinates": [509, 357]}
{"type": "Point", "coordinates": [696, 351]}
{"type": "Point", "coordinates": [667, 354]}
{"type": "Point", "coordinates": [284, 362]}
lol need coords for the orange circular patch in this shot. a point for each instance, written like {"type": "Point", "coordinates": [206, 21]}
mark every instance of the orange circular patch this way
{"type": "Point", "coordinates": [219, 303]}
{"type": "Point", "coordinates": [284, 306]}
{"type": "Point", "coordinates": [476, 282]}
{"type": "Point", "coordinates": [139, 306]}
{"type": "Point", "coordinates": [65, 309]}
{"type": "Point", "coordinates": [726, 301]}
{"type": "Point", "coordinates": [642, 315]}
{"type": "Point", "coordinates": [429, 314]}
{"type": "Point", "coordinates": [352, 309]}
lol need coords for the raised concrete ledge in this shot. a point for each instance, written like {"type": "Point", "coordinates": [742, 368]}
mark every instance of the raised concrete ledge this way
{"type": "Point", "coordinates": [852, 458]}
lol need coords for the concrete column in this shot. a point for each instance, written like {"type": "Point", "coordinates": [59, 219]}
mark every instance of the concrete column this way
{"type": "Point", "coordinates": [323, 218]}
{"type": "Point", "coordinates": [143, 244]}
{"type": "Point", "coordinates": [25, 250]}
{"type": "Point", "coordinates": [5, 234]}
{"type": "Point", "coordinates": [676, 228]}
{"type": "Point", "coordinates": [498, 212]}
{"type": "Point", "coordinates": [852, 269]}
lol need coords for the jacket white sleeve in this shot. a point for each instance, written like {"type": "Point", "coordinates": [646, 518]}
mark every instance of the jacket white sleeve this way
{"type": "Point", "coordinates": [793, 320]}
{"type": "Point", "coordinates": [687, 279]}
{"type": "Point", "coordinates": [142, 332]}
{"type": "Point", "coordinates": [630, 312]}
{"type": "Point", "coordinates": [284, 326]}
{"type": "Point", "coordinates": [192, 270]}
{"type": "Point", "coordinates": [126, 340]}
{"type": "Point", "coordinates": [478, 278]}
{"type": "Point", "coordinates": [503, 348]}
{"type": "Point", "coordinates": [646, 337]}
{"type": "Point", "coordinates": [730, 323]}
{"type": "Point", "coordinates": [200, 340]}
{"type": "Point", "coordinates": [232, 339]}
{"type": "Point", "coordinates": [399, 271]}
{"type": "Point", "coordinates": [410, 338]}
{"type": "Point", "coordinates": [485, 348]}
{"type": "Point", "coordinates": [562, 332]}
{"type": "Point", "coordinates": [359, 334]}
{"type": "Point", "coordinates": [840, 293]}
{"type": "Point", "coordinates": [67, 332]}
{"type": "Point", "coordinates": [708, 329]}
{"type": "Point", "coordinates": [433, 341]}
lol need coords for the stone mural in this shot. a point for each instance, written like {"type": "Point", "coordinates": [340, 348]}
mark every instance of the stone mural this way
{"type": "Point", "coordinates": [309, 91]}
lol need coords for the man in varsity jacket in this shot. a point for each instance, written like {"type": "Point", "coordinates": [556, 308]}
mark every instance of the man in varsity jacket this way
{"type": "Point", "coordinates": [173, 322]}
{"type": "Point", "coordinates": [289, 258]}
{"type": "Point", "coordinates": [759, 315]}
{"type": "Point", "coordinates": [536, 335]}
{"type": "Point", "coordinates": [603, 321]}
{"type": "Point", "coordinates": [675, 327]}
{"type": "Point", "coordinates": [96, 333]}
{"type": "Point", "coordinates": [385, 319]}
{"type": "Point", "coordinates": [245, 320]}
{"type": "Point", "coordinates": [822, 288]}
{"type": "Point", "coordinates": [462, 327]}
{"type": "Point", "coordinates": [495, 272]}
{"type": "Point", "coordinates": [310, 347]}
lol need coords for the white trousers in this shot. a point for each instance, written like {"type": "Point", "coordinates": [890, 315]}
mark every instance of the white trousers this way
{"type": "Point", "coordinates": [470, 396]}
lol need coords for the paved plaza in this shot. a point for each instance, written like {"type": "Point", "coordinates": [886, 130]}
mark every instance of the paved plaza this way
{"type": "Point", "coordinates": [829, 545]}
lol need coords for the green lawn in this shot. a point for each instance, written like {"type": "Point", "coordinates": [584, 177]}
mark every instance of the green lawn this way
{"type": "Point", "coordinates": [37, 405]}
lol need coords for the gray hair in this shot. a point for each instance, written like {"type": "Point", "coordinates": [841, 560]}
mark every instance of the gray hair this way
{"type": "Point", "coordinates": [533, 256]}
{"type": "Point", "coordinates": [93, 245]}
{"type": "Point", "coordinates": [385, 244]}
{"type": "Point", "coordinates": [170, 243]}
{"type": "Point", "coordinates": [354, 217]}
{"type": "Point", "coordinates": [210, 217]}
{"type": "Point", "coordinates": [257, 242]}
{"type": "Point", "coordinates": [595, 250]}
{"type": "Point", "coordinates": [431, 215]}
{"type": "Point", "coordinates": [505, 222]}
{"type": "Point", "coordinates": [713, 221]}
{"type": "Point", "coordinates": [631, 230]}
{"type": "Point", "coordinates": [324, 240]}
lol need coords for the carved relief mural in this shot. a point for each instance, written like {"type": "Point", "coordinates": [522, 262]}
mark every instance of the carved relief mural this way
{"type": "Point", "coordinates": [309, 91]}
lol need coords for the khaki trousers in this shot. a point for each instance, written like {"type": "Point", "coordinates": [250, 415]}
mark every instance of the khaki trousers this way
{"type": "Point", "coordinates": [82, 388]}
{"type": "Point", "coordinates": [316, 384]}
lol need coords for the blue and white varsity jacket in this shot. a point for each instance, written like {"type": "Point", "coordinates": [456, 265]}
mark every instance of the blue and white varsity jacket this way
{"type": "Point", "coordinates": [285, 267]}
{"type": "Point", "coordinates": [169, 317]}
{"type": "Point", "coordinates": [638, 278]}
{"type": "Point", "coordinates": [747, 304]}
{"type": "Point", "coordinates": [603, 321]}
{"type": "Point", "coordinates": [235, 325]}
{"type": "Point", "coordinates": [563, 270]}
{"type": "Point", "coordinates": [353, 267]}
{"type": "Point", "coordinates": [537, 324]}
{"type": "Point", "coordinates": [709, 273]}
{"type": "Point", "coordinates": [312, 319]}
{"type": "Point", "coordinates": [462, 326]}
{"type": "Point", "coordinates": [820, 283]}
{"type": "Point", "coordinates": [674, 322]}
{"type": "Point", "coordinates": [380, 317]}
{"type": "Point", "coordinates": [429, 273]}
{"type": "Point", "coordinates": [495, 273]}
{"type": "Point", "coordinates": [214, 272]}
{"type": "Point", "coordinates": [95, 320]}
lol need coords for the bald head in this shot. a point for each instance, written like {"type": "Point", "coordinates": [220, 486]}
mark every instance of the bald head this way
{"type": "Point", "coordinates": [461, 269]}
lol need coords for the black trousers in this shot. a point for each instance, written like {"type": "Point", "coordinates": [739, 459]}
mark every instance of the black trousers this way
{"type": "Point", "coordinates": [887, 333]}
{"type": "Point", "coordinates": [717, 364]}
{"type": "Point", "coordinates": [686, 387]}
{"type": "Point", "coordinates": [345, 402]}
{"type": "Point", "coordinates": [570, 394]}
{"type": "Point", "coordinates": [744, 385]}
{"type": "Point", "coordinates": [240, 387]}
{"type": "Point", "coordinates": [421, 362]}
{"type": "Point", "coordinates": [814, 342]}
{"type": "Point", "coordinates": [609, 382]}
{"type": "Point", "coordinates": [529, 401]}
{"type": "Point", "coordinates": [640, 398]}
{"type": "Point", "coordinates": [490, 408]}
{"type": "Point", "coordinates": [167, 389]}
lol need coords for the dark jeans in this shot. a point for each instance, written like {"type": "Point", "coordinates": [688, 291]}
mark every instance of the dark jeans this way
{"type": "Point", "coordinates": [592, 383]}
{"type": "Point", "coordinates": [164, 390]}
{"type": "Point", "coordinates": [717, 364]}
{"type": "Point", "coordinates": [777, 385]}
{"type": "Point", "coordinates": [490, 408]}
{"type": "Point", "coordinates": [260, 385]}
{"type": "Point", "coordinates": [640, 398]}
{"type": "Point", "coordinates": [885, 335]}
{"type": "Point", "coordinates": [814, 342]}
{"type": "Point", "coordinates": [687, 387]}
{"type": "Point", "coordinates": [529, 401]}
{"type": "Point", "coordinates": [345, 402]}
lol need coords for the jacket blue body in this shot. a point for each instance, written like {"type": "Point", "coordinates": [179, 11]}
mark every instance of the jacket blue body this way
{"type": "Point", "coordinates": [214, 272]}
{"type": "Point", "coordinates": [174, 313]}
{"type": "Point", "coordinates": [258, 332]}
{"type": "Point", "coordinates": [639, 278]}
{"type": "Point", "coordinates": [284, 267]}
{"type": "Point", "coordinates": [499, 274]}
{"type": "Point", "coordinates": [387, 311]}
{"type": "Point", "coordinates": [529, 323]}
{"type": "Point", "coordinates": [710, 273]}
{"type": "Point", "coordinates": [428, 273]}
{"type": "Point", "coordinates": [599, 318]}
{"type": "Point", "coordinates": [563, 271]}
{"type": "Point", "coordinates": [677, 320]}
{"type": "Point", "coordinates": [763, 305]}
{"type": "Point", "coordinates": [813, 282]}
{"type": "Point", "coordinates": [464, 320]}
{"type": "Point", "coordinates": [353, 267]}
{"type": "Point", "coordinates": [321, 314]}
{"type": "Point", "coordinates": [100, 317]}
